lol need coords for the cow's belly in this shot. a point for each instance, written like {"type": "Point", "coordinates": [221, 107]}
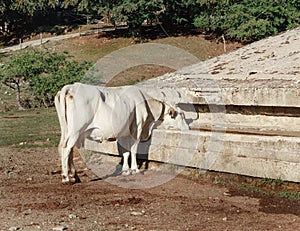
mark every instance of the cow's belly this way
{"type": "Point", "coordinates": [107, 134]}
{"type": "Point", "coordinates": [100, 135]}
{"type": "Point", "coordinates": [111, 122]}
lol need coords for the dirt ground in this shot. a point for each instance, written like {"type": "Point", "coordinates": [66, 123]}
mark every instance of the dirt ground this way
{"type": "Point", "coordinates": [32, 198]}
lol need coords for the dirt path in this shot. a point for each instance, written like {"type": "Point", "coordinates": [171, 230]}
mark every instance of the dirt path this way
{"type": "Point", "coordinates": [38, 42]}
{"type": "Point", "coordinates": [32, 198]}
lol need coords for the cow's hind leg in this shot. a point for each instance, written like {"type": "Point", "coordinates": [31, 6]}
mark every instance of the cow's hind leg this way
{"type": "Point", "coordinates": [73, 174]}
{"type": "Point", "coordinates": [67, 163]}
{"type": "Point", "coordinates": [65, 155]}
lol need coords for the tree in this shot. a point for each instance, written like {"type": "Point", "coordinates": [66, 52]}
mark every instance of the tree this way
{"type": "Point", "coordinates": [21, 12]}
{"type": "Point", "coordinates": [243, 20]}
{"type": "Point", "coordinates": [180, 11]}
{"type": "Point", "coordinates": [41, 73]}
{"type": "Point", "coordinates": [248, 20]}
{"type": "Point", "coordinates": [133, 12]}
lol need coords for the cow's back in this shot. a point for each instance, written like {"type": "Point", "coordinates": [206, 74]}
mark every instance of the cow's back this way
{"type": "Point", "coordinates": [121, 111]}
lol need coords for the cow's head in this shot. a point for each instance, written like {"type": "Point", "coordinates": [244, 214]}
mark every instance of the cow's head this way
{"type": "Point", "coordinates": [173, 118]}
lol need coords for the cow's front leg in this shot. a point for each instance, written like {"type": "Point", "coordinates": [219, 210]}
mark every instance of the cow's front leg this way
{"type": "Point", "coordinates": [134, 167]}
{"type": "Point", "coordinates": [125, 167]}
{"type": "Point", "coordinates": [124, 147]}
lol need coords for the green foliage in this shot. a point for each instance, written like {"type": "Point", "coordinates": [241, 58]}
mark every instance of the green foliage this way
{"type": "Point", "coordinates": [134, 12]}
{"type": "Point", "coordinates": [248, 20]}
{"type": "Point", "coordinates": [15, 14]}
{"type": "Point", "coordinates": [29, 7]}
{"type": "Point", "coordinates": [243, 20]}
{"type": "Point", "coordinates": [180, 11]}
{"type": "Point", "coordinates": [42, 73]}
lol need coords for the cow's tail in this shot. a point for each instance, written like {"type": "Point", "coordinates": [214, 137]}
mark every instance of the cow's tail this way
{"type": "Point", "coordinates": [61, 108]}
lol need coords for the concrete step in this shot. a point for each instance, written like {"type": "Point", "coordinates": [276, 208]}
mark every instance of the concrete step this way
{"type": "Point", "coordinates": [274, 157]}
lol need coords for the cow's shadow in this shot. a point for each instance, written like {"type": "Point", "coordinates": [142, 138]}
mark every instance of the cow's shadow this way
{"type": "Point", "coordinates": [142, 155]}
{"type": "Point", "coordinates": [142, 160]}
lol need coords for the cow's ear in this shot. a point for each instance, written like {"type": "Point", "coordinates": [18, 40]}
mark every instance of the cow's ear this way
{"type": "Point", "coordinates": [172, 113]}
{"type": "Point", "coordinates": [156, 108]}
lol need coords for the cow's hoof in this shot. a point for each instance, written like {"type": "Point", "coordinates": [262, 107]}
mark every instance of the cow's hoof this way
{"type": "Point", "coordinates": [135, 171]}
{"type": "Point", "coordinates": [77, 179]}
{"type": "Point", "coordinates": [126, 172]}
{"type": "Point", "coordinates": [65, 180]}
{"type": "Point", "coordinates": [70, 182]}
{"type": "Point", "coordinates": [74, 179]}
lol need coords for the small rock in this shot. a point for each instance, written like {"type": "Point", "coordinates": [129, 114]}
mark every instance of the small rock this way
{"type": "Point", "coordinates": [60, 228]}
{"type": "Point", "coordinates": [72, 216]}
{"type": "Point", "coordinates": [27, 212]}
{"type": "Point", "coordinates": [224, 219]}
{"type": "Point", "coordinates": [137, 213]}
{"type": "Point", "coordinates": [228, 194]}
{"type": "Point", "coordinates": [14, 228]}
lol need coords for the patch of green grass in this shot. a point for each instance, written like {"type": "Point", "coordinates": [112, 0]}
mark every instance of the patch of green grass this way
{"type": "Point", "coordinates": [250, 189]}
{"type": "Point", "coordinates": [283, 193]}
{"type": "Point", "coordinates": [267, 180]}
{"type": "Point", "coordinates": [29, 128]}
{"type": "Point", "coordinates": [289, 195]}
{"type": "Point", "coordinates": [219, 182]}
{"type": "Point", "coordinates": [270, 181]}
{"type": "Point", "coordinates": [279, 181]}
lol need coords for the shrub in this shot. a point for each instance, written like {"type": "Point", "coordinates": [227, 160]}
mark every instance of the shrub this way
{"type": "Point", "coordinates": [40, 73]}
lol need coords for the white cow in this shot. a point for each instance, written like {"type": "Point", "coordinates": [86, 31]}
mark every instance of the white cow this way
{"type": "Point", "coordinates": [125, 114]}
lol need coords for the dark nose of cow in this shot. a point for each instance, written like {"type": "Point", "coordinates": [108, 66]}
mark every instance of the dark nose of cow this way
{"type": "Point", "coordinates": [172, 113]}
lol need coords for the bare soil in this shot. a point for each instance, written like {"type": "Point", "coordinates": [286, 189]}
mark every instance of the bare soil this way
{"type": "Point", "coordinates": [33, 198]}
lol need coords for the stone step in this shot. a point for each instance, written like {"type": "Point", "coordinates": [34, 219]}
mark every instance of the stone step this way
{"type": "Point", "coordinates": [274, 157]}
{"type": "Point", "coordinates": [247, 124]}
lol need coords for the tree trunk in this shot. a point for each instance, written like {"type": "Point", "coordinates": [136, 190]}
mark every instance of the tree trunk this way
{"type": "Point", "coordinates": [18, 97]}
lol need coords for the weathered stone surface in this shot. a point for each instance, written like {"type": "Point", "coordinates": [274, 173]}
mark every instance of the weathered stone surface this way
{"type": "Point", "coordinates": [251, 124]}
{"type": "Point", "coordinates": [265, 73]}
